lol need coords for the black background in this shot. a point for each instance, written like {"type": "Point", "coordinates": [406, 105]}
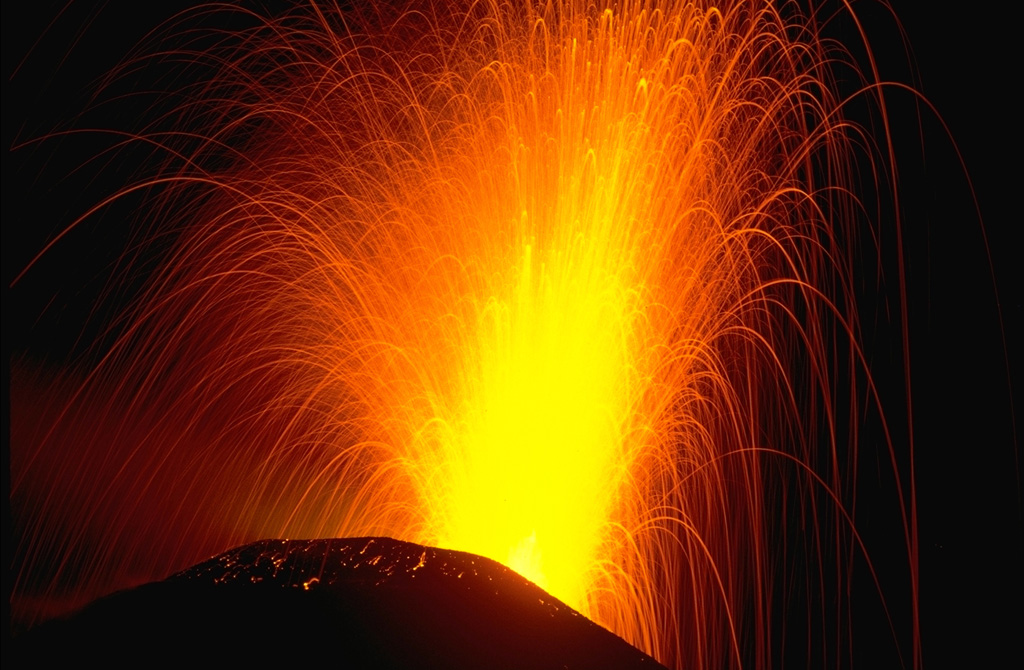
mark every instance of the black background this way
{"type": "Point", "coordinates": [963, 285]}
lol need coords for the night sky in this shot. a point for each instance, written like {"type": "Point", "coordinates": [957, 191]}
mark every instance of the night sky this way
{"type": "Point", "coordinates": [964, 344]}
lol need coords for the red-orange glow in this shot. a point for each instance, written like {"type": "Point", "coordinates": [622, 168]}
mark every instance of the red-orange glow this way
{"type": "Point", "coordinates": [557, 284]}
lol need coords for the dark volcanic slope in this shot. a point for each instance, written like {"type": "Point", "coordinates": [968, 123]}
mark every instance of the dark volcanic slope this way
{"type": "Point", "coordinates": [351, 603]}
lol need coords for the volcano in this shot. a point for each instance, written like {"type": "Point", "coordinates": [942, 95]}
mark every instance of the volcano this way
{"type": "Point", "coordinates": [369, 602]}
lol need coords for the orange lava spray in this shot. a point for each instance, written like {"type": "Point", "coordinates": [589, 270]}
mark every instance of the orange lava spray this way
{"type": "Point", "coordinates": [556, 283]}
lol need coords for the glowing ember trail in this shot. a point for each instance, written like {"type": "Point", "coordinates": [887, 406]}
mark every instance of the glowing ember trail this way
{"type": "Point", "coordinates": [558, 284]}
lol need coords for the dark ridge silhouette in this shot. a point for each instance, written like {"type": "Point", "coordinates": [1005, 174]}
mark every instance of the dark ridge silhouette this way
{"type": "Point", "coordinates": [351, 603]}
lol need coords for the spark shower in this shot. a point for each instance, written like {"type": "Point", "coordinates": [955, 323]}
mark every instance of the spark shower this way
{"type": "Point", "coordinates": [569, 285]}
